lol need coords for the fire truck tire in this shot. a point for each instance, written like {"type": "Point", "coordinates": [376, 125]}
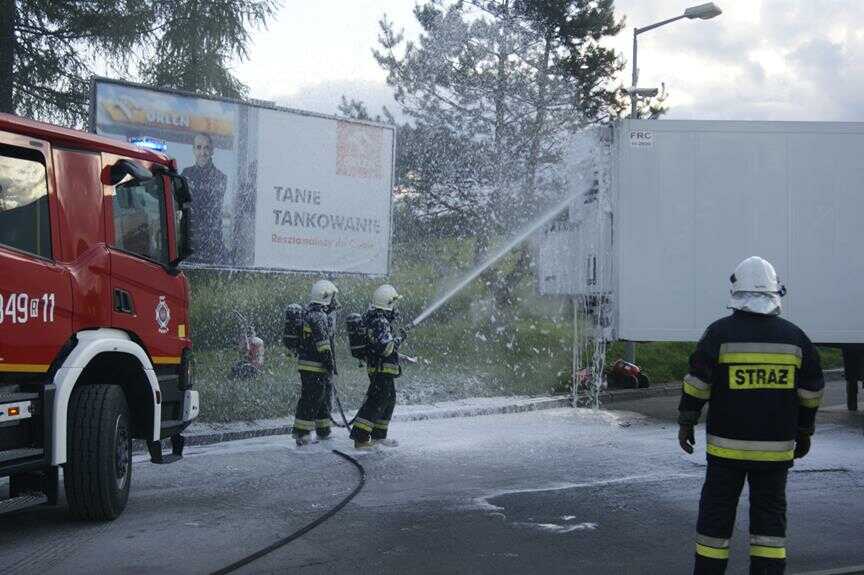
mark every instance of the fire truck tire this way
{"type": "Point", "coordinates": [98, 470]}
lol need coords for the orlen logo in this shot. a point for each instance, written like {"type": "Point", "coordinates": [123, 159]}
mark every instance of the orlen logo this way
{"type": "Point", "coordinates": [641, 138]}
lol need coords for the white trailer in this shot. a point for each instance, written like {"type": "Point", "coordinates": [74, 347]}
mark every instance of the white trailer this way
{"type": "Point", "coordinates": [693, 198]}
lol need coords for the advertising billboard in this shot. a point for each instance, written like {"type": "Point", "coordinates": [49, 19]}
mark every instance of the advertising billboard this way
{"type": "Point", "coordinates": [273, 189]}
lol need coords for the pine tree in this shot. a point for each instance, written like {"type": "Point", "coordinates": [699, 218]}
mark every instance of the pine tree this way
{"type": "Point", "coordinates": [502, 82]}
{"type": "Point", "coordinates": [49, 48]}
{"type": "Point", "coordinates": [198, 41]}
{"type": "Point", "coordinates": [495, 87]}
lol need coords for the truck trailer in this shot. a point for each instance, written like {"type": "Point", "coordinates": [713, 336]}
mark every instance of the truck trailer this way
{"type": "Point", "coordinates": [678, 203]}
{"type": "Point", "coordinates": [694, 198]}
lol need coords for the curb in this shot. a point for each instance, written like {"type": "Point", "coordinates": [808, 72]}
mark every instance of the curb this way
{"type": "Point", "coordinates": [856, 570]}
{"type": "Point", "coordinates": [284, 426]}
{"type": "Point", "coordinates": [261, 429]}
{"type": "Point", "coordinates": [659, 390]}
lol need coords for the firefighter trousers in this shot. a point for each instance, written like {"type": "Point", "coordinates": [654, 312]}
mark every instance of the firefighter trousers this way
{"type": "Point", "coordinates": [720, 493]}
{"type": "Point", "coordinates": [313, 408]}
{"type": "Point", "coordinates": [373, 419]}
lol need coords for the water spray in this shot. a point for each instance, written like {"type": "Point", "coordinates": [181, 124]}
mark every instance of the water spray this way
{"type": "Point", "coordinates": [500, 253]}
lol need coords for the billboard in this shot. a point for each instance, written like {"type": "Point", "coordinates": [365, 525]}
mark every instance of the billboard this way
{"type": "Point", "coordinates": [273, 188]}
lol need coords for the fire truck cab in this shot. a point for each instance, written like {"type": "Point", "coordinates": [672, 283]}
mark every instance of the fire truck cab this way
{"type": "Point", "coordinates": [95, 348]}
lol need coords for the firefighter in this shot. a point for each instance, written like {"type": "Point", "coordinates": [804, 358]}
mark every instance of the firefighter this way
{"type": "Point", "coordinates": [316, 364]}
{"type": "Point", "coordinates": [382, 359]}
{"type": "Point", "coordinates": [763, 380]}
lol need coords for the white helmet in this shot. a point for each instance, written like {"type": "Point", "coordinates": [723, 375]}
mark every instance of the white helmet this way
{"type": "Point", "coordinates": [385, 297]}
{"type": "Point", "coordinates": [323, 292]}
{"type": "Point", "coordinates": [756, 275]}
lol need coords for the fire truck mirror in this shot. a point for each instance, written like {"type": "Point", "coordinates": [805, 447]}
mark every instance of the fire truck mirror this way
{"type": "Point", "coordinates": [182, 218]}
{"type": "Point", "coordinates": [123, 168]}
{"type": "Point", "coordinates": [181, 190]}
{"type": "Point", "coordinates": [184, 234]}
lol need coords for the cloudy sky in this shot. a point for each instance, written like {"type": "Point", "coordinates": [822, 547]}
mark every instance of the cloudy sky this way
{"type": "Point", "coordinates": [760, 60]}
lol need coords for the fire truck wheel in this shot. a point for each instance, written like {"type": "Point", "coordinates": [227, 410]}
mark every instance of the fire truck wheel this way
{"type": "Point", "coordinates": [98, 469]}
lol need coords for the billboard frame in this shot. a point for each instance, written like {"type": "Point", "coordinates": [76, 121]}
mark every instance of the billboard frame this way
{"type": "Point", "coordinates": [91, 127]}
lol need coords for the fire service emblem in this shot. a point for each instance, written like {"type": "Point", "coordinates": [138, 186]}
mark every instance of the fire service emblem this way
{"type": "Point", "coordinates": [163, 315]}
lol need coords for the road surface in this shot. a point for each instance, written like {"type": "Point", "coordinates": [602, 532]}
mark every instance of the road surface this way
{"type": "Point", "coordinates": [557, 491]}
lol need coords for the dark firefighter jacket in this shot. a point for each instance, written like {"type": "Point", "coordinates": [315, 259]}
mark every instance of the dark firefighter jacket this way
{"type": "Point", "coordinates": [762, 378]}
{"type": "Point", "coordinates": [316, 352]}
{"type": "Point", "coordinates": [382, 348]}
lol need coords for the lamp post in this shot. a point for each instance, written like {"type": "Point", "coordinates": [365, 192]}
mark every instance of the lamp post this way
{"type": "Point", "coordinates": [702, 12]}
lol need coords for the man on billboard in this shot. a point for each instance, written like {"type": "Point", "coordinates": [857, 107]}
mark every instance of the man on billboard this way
{"type": "Point", "coordinates": [208, 193]}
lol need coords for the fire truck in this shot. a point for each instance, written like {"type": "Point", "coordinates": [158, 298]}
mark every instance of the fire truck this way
{"type": "Point", "coordinates": [95, 349]}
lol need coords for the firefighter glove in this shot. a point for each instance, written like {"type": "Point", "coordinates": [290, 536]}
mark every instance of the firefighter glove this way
{"type": "Point", "coordinates": [802, 445]}
{"type": "Point", "coordinates": [686, 438]}
{"type": "Point", "coordinates": [403, 334]}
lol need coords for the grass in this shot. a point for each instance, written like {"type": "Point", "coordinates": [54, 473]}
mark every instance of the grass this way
{"type": "Point", "coordinates": [662, 362]}
{"type": "Point", "coordinates": [457, 358]}
{"type": "Point", "coordinates": [466, 349]}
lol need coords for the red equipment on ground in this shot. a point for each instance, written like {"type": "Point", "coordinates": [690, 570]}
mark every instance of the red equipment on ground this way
{"type": "Point", "coordinates": [625, 374]}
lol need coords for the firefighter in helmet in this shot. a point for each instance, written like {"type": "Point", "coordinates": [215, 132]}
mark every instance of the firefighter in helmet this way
{"type": "Point", "coordinates": [316, 364]}
{"type": "Point", "coordinates": [382, 349]}
{"type": "Point", "coordinates": [762, 379]}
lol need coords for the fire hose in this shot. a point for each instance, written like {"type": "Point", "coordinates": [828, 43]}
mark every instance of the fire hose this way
{"type": "Point", "coordinates": [338, 404]}
{"type": "Point", "coordinates": [304, 530]}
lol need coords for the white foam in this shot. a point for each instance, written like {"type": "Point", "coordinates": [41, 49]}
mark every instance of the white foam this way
{"type": "Point", "coordinates": [561, 529]}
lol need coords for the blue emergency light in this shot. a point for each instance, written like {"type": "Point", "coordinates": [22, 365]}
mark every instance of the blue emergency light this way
{"type": "Point", "coordinates": [149, 143]}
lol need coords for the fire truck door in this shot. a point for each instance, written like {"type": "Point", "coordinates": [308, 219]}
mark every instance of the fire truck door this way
{"type": "Point", "coordinates": [148, 299]}
{"type": "Point", "coordinates": [35, 292]}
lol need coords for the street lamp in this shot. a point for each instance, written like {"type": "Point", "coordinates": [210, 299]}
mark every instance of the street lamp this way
{"type": "Point", "coordinates": [702, 12]}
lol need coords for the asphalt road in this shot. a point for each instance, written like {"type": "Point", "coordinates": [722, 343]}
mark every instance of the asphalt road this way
{"type": "Point", "coordinates": [559, 491]}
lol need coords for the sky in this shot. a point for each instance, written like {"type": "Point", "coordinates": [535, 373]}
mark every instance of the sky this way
{"type": "Point", "coordinates": [759, 60]}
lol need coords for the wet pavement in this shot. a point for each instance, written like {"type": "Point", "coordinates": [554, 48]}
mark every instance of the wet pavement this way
{"type": "Point", "coordinates": [556, 491]}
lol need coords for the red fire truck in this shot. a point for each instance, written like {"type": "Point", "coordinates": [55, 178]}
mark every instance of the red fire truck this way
{"type": "Point", "coordinates": [94, 324]}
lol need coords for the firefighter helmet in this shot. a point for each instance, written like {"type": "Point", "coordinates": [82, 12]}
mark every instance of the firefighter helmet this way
{"type": "Point", "coordinates": [323, 292]}
{"type": "Point", "coordinates": [385, 297]}
{"type": "Point", "coordinates": [756, 275]}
